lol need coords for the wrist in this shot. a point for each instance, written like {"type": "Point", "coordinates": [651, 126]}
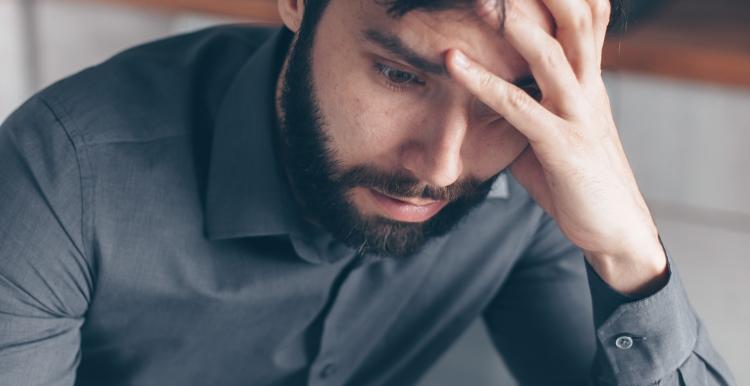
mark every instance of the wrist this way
{"type": "Point", "coordinates": [638, 271]}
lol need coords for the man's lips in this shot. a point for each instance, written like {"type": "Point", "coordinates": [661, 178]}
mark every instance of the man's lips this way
{"type": "Point", "coordinates": [406, 209]}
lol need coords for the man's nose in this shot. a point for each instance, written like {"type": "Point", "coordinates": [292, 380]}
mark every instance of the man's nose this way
{"type": "Point", "coordinates": [433, 154]}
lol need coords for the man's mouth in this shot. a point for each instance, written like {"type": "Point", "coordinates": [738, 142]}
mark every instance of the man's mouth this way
{"type": "Point", "coordinates": [406, 209]}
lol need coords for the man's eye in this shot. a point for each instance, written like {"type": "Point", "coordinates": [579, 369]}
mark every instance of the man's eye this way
{"type": "Point", "coordinates": [397, 77]}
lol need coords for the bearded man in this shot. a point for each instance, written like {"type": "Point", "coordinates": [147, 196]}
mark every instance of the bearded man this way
{"type": "Point", "coordinates": [334, 202]}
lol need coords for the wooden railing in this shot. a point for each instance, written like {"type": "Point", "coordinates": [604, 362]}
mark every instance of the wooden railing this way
{"type": "Point", "coordinates": [689, 39]}
{"type": "Point", "coordinates": [262, 11]}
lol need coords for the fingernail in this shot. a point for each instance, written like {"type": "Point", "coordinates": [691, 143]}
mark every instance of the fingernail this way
{"type": "Point", "coordinates": [461, 60]}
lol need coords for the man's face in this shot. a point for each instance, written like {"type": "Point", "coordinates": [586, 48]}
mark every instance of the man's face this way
{"type": "Point", "coordinates": [382, 147]}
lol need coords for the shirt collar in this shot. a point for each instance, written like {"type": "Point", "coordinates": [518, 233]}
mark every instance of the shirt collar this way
{"type": "Point", "coordinates": [248, 193]}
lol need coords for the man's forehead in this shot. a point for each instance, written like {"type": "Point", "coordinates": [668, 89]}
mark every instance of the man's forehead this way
{"type": "Point", "coordinates": [464, 11]}
{"type": "Point", "coordinates": [428, 34]}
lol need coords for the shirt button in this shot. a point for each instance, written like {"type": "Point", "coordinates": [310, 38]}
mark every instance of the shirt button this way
{"type": "Point", "coordinates": [624, 342]}
{"type": "Point", "coordinates": [328, 370]}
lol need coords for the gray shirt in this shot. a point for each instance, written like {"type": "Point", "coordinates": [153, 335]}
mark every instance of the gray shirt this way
{"type": "Point", "coordinates": [148, 237]}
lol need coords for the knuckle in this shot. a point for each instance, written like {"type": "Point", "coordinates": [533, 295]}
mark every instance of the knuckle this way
{"type": "Point", "coordinates": [580, 20]}
{"type": "Point", "coordinates": [518, 99]}
{"type": "Point", "coordinates": [510, 14]}
{"type": "Point", "coordinates": [490, 12]}
{"type": "Point", "coordinates": [489, 9]}
{"type": "Point", "coordinates": [486, 81]}
{"type": "Point", "coordinates": [602, 10]}
{"type": "Point", "coordinates": [553, 56]}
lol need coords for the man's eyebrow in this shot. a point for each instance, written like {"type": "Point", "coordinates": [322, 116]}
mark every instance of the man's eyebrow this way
{"type": "Point", "coordinates": [396, 46]}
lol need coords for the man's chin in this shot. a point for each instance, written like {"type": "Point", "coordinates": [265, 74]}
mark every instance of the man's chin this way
{"type": "Point", "coordinates": [387, 238]}
{"type": "Point", "coordinates": [370, 226]}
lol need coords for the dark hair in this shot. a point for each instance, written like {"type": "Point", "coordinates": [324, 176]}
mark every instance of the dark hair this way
{"type": "Point", "coordinates": [399, 8]}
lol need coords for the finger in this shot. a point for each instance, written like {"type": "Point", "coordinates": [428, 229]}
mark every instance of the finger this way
{"type": "Point", "coordinates": [528, 171]}
{"type": "Point", "coordinates": [547, 61]}
{"type": "Point", "coordinates": [529, 117]}
{"type": "Point", "coordinates": [601, 10]}
{"type": "Point", "coordinates": [575, 32]}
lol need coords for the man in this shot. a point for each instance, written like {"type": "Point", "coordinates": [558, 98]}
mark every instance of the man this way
{"type": "Point", "coordinates": [333, 203]}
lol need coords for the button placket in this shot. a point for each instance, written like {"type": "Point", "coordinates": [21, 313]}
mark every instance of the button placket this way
{"type": "Point", "coordinates": [328, 368]}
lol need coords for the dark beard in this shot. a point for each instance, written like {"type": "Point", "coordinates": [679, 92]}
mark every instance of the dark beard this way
{"type": "Point", "coordinates": [323, 188]}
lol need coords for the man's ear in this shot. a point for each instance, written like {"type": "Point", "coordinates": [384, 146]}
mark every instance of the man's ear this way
{"type": "Point", "coordinates": [291, 12]}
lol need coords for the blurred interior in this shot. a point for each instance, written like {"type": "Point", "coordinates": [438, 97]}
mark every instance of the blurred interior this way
{"type": "Point", "coordinates": [679, 80]}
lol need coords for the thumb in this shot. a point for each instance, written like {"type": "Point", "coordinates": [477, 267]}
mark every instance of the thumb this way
{"type": "Point", "coordinates": [527, 170]}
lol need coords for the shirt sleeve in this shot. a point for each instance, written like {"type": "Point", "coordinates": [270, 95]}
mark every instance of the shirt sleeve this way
{"type": "Point", "coordinates": [550, 331]}
{"type": "Point", "coordinates": [656, 339]}
{"type": "Point", "coordinates": [45, 277]}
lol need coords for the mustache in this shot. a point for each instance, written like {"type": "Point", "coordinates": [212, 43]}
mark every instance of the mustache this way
{"type": "Point", "coordinates": [401, 184]}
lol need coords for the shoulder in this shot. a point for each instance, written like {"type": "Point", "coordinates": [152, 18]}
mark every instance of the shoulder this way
{"type": "Point", "coordinates": [159, 89]}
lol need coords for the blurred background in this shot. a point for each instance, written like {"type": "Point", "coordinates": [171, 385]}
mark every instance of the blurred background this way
{"type": "Point", "coordinates": [679, 80]}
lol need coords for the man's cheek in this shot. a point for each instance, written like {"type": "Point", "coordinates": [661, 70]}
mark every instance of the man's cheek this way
{"type": "Point", "coordinates": [370, 128]}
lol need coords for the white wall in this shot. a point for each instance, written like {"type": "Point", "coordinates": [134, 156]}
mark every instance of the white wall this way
{"type": "Point", "coordinates": [14, 82]}
{"type": "Point", "coordinates": [687, 141]}
{"type": "Point", "coordinates": [72, 35]}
